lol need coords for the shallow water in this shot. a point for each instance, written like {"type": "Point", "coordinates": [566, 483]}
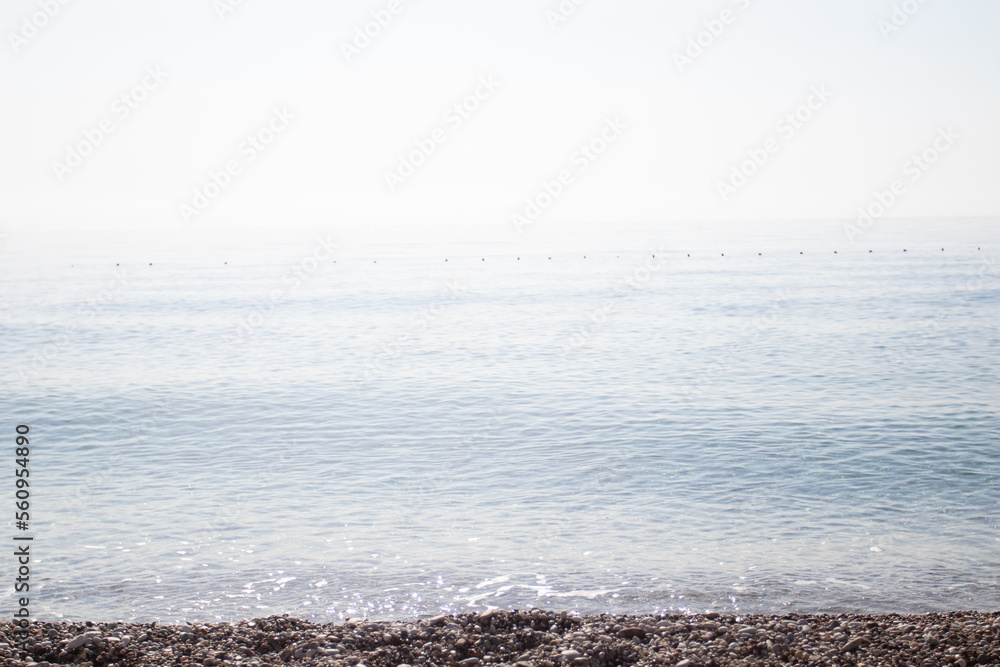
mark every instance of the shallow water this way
{"type": "Point", "coordinates": [394, 435]}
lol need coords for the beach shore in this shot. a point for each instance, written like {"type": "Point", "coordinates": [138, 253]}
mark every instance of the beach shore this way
{"type": "Point", "coordinates": [533, 638]}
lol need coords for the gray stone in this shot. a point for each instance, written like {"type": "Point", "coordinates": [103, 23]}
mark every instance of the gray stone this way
{"type": "Point", "coordinates": [76, 642]}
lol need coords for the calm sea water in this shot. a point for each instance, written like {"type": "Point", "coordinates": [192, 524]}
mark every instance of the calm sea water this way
{"type": "Point", "coordinates": [239, 429]}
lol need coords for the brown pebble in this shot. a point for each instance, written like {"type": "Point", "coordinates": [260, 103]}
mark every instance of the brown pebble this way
{"type": "Point", "coordinates": [629, 633]}
{"type": "Point", "coordinates": [852, 645]}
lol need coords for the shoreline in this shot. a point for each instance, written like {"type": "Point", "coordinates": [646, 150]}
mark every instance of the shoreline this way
{"type": "Point", "coordinates": [531, 638]}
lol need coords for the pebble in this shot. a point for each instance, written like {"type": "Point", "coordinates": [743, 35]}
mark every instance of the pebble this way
{"type": "Point", "coordinates": [629, 633]}
{"type": "Point", "coordinates": [525, 639]}
{"type": "Point", "coordinates": [853, 644]}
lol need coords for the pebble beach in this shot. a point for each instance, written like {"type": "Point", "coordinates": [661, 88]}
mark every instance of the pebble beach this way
{"type": "Point", "coordinates": [534, 638]}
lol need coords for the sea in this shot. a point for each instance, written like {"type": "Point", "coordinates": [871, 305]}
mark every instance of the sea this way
{"type": "Point", "coordinates": [801, 417]}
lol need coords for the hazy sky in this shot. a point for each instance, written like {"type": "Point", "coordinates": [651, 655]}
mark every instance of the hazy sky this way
{"type": "Point", "coordinates": [115, 113]}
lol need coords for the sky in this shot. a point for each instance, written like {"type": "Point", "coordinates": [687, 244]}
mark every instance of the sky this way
{"type": "Point", "coordinates": [501, 117]}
